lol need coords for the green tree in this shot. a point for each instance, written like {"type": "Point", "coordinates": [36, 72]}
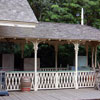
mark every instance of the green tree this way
{"type": "Point", "coordinates": [67, 11]}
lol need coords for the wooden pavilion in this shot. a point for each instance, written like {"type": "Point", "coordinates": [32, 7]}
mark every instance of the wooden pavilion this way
{"type": "Point", "coordinates": [53, 34]}
{"type": "Point", "coordinates": [17, 25]}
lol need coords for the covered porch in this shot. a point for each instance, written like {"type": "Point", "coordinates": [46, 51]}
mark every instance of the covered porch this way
{"type": "Point", "coordinates": [53, 35]}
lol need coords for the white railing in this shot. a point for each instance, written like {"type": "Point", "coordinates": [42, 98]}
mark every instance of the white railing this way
{"type": "Point", "coordinates": [13, 79]}
{"type": "Point", "coordinates": [47, 80]}
{"type": "Point", "coordinates": [51, 80]}
{"type": "Point", "coordinates": [66, 79]}
{"type": "Point", "coordinates": [86, 79]}
{"type": "Point", "coordinates": [54, 80]}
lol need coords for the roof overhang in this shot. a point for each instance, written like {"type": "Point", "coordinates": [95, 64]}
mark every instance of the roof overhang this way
{"type": "Point", "coordinates": [52, 31]}
{"type": "Point", "coordinates": [17, 24]}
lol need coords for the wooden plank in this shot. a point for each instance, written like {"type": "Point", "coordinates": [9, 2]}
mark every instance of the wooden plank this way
{"type": "Point", "coordinates": [45, 96]}
{"type": "Point", "coordinates": [64, 94]}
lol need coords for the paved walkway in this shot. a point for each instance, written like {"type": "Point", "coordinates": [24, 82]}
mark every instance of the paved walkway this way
{"type": "Point", "coordinates": [64, 94]}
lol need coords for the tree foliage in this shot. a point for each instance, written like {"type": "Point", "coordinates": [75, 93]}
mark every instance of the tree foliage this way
{"type": "Point", "coordinates": [67, 11]}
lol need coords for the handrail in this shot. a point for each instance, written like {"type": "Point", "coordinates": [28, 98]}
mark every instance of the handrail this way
{"type": "Point", "coordinates": [53, 71]}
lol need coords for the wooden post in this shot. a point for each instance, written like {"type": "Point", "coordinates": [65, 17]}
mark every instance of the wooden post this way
{"type": "Point", "coordinates": [56, 56]}
{"type": "Point", "coordinates": [95, 56]}
{"type": "Point", "coordinates": [92, 57]}
{"type": "Point", "coordinates": [87, 53]}
{"type": "Point", "coordinates": [56, 80]}
{"type": "Point", "coordinates": [35, 65]}
{"type": "Point", "coordinates": [76, 45]}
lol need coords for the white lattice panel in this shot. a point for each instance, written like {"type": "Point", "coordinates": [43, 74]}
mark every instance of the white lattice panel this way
{"type": "Point", "coordinates": [66, 80]}
{"type": "Point", "coordinates": [13, 79]}
{"type": "Point", "coordinates": [51, 80]}
{"type": "Point", "coordinates": [46, 80]}
{"type": "Point", "coordinates": [86, 79]}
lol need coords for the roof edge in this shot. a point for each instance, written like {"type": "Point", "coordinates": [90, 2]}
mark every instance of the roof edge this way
{"type": "Point", "coordinates": [17, 23]}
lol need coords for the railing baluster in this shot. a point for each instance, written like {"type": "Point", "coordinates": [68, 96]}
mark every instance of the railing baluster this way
{"type": "Point", "coordinates": [86, 79]}
{"type": "Point", "coordinates": [51, 80]}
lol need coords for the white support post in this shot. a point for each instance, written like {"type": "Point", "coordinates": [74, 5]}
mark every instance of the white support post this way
{"type": "Point", "coordinates": [82, 16]}
{"type": "Point", "coordinates": [87, 53]}
{"type": "Point", "coordinates": [76, 45]}
{"type": "Point", "coordinates": [56, 56]}
{"type": "Point", "coordinates": [95, 56]}
{"type": "Point", "coordinates": [35, 65]}
{"type": "Point", "coordinates": [56, 80]}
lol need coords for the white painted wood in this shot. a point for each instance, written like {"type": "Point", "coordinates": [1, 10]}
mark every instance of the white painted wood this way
{"type": "Point", "coordinates": [51, 80]}
{"type": "Point", "coordinates": [47, 80]}
{"type": "Point", "coordinates": [76, 45]}
{"type": "Point", "coordinates": [13, 80]}
{"type": "Point", "coordinates": [86, 79]}
{"type": "Point", "coordinates": [35, 64]}
{"type": "Point", "coordinates": [82, 16]}
{"type": "Point", "coordinates": [17, 24]}
{"type": "Point", "coordinates": [57, 80]}
{"type": "Point", "coordinates": [66, 80]}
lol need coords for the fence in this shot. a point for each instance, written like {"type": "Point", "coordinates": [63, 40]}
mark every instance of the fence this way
{"type": "Point", "coordinates": [51, 80]}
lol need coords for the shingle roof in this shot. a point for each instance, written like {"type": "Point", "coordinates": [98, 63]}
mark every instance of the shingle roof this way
{"type": "Point", "coordinates": [16, 10]}
{"type": "Point", "coordinates": [45, 30]}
